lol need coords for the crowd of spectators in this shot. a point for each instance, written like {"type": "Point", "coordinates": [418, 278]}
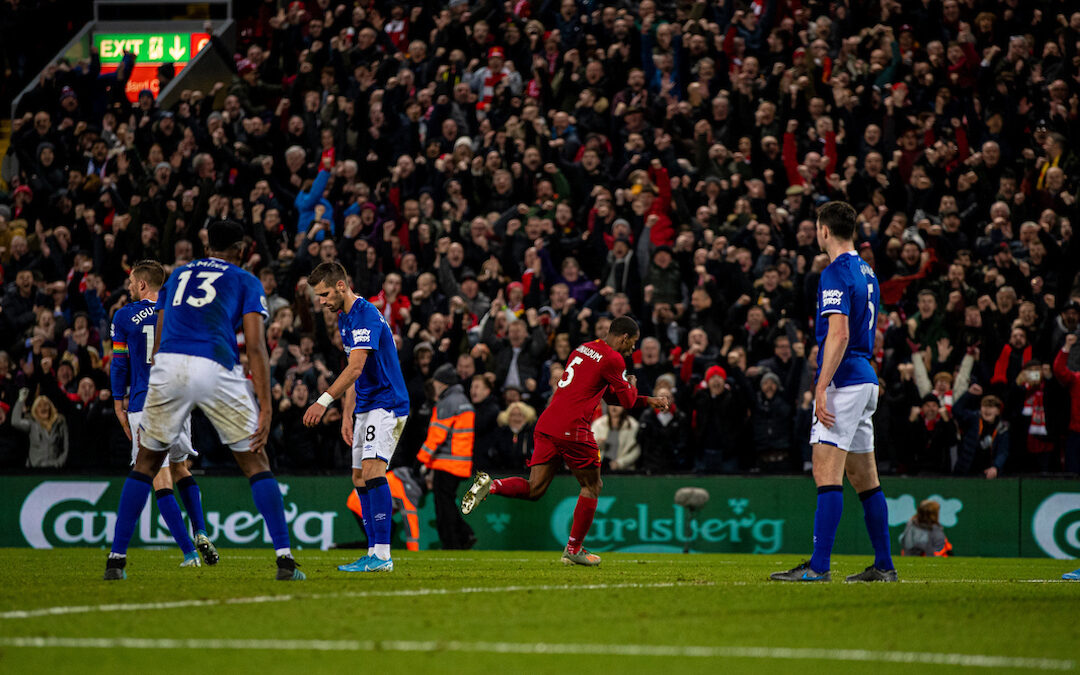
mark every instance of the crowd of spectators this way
{"type": "Point", "coordinates": [503, 178]}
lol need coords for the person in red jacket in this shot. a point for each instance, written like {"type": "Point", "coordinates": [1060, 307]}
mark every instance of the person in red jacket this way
{"type": "Point", "coordinates": [393, 305]}
{"type": "Point", "coordinates": [1070, 379]}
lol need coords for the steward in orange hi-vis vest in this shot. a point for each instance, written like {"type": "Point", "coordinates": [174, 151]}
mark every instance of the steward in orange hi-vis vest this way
{"type": "Point", "coordinates": [449, 443]}
{"type": "Point", "coordinates": [447, 452]}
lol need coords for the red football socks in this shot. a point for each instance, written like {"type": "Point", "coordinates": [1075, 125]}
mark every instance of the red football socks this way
{"type": "Point", "coordinates": [514, 487]}
{"type": "Point", "coordinates": [583, 517]}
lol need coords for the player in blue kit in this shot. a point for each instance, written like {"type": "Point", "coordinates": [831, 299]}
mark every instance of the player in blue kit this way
{"type": "Point", "coordinates": [133, 331]}
{"type": "Point", "coordinates": [375, 408]}
{"type": "Point", "coordinates": [846, 396]}
{"type": "Point", "coordinates": [197, 363]}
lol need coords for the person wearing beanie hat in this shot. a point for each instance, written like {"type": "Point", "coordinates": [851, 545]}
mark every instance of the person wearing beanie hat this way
{"type": "Point", "coordinates": [719, 403]}
{"type": "Point", "coordinates": [375, 410]}
{"type": "Point", "coordinates": [447, 454]}
{"type": "Point", "coordinates": [771, 421]}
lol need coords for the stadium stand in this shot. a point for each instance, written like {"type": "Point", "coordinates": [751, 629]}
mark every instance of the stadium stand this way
{"type": "Point", "coordinates": [502, 179]}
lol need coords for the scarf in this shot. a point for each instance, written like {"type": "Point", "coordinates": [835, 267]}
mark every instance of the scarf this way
{"type": "Point", "coordinates": [1001, 368]}
{"type": "Point", "coordinates": [1033, 408]}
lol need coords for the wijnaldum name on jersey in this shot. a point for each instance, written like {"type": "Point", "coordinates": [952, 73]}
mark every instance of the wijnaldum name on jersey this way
{"type": "Point", "coordinates": [591, 353]}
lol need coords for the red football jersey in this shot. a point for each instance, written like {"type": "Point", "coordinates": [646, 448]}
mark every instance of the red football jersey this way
{"type": "Point", "coordinates": [591, 370]}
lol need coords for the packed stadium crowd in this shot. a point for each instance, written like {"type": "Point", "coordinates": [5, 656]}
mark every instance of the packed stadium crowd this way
{"type": "Point", "coordinates": [502, 179]}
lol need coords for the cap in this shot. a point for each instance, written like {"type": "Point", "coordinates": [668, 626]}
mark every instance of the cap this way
{"type": "Point", "coordinates": [769, 375]}
{"type": "Point", "coordinates": [795, 190]}
{"type": "Point", "coordinates": [1003, 247]}
{"type": "Point", "coordinates": [468, 273]}
{"type": "Point", "coordinates": [446, 375]}
{"type": "Point", "coordinates": [715, 371]}
{"type": "Point", "coordinates": [245, 66]}
{"type": "Point", "coordinates": [463, 140]}
{"type": "Point", "coordinates": [624, 221]}
{"type": "Point", "coordinates": [515, 284]}
{"type": "Point", "coordinates": [663, 249]}
{"type": "Point", "coordinates": [496, 53]}
{"type": "Point", "coordinates": [24, 190]}
{"type": "Point", "coordinates": [67, 92]}
{"type": "Point", "coordinates": [930, 398]}
{"type": "Point", "coordinates": [1072, 304]}
{"type": "Point", "coordinates": [622, 240]}
{"type": "Point", "coordinates": [224, 233]}
{"type": "Point", "coordinates": [906, 28]}
{"type": "Point", "coordinates": [421, 346]}
{"type": "Point", "coordinates": [911, 235]}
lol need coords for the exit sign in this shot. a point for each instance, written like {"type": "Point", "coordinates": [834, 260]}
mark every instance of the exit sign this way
{"type": "Point", "coordinates": [150, 48]}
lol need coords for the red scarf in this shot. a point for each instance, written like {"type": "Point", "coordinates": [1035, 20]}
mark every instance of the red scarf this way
{"type": "Point", "coordinates": [1033, 407]}
{"type": "Point", "coordinates": [1002, 365]}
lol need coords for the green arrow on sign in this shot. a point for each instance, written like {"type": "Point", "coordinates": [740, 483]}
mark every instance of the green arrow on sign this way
{"type": "Point", "coordinates": [177, 50]}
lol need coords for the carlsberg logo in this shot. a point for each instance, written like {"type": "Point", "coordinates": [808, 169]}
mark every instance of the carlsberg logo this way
{"type": "Point", "coordinates": [62, 513]}
{"type": "Point", "coordinates": [1056, 525]}
{"type": "Point", "coordinates": [633, 528]}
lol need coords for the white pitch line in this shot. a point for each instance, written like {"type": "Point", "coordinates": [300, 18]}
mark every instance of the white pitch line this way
{"type": "Point", "coordinates": [550, 649]}
{"type": "Point", "coordinates": [259, 599]}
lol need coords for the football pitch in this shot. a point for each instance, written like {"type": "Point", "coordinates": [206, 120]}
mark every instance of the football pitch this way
{"type": "Point", "coordinates": [524, 612]}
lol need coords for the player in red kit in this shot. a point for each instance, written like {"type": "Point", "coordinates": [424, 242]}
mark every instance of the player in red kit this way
{"type": "Point", "coordinates": [594, 370]}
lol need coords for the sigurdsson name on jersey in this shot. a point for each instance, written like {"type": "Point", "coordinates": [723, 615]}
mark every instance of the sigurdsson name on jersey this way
{"type": "Point", "coordinates": [142, 314]}
{"type": "Point", "coordinates": [591, 353]}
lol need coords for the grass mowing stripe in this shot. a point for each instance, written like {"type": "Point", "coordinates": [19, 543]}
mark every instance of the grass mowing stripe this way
{"type": "Point", "coordinates": [543, 648]}
{"type": "Point", "coordinates": [257, 599]}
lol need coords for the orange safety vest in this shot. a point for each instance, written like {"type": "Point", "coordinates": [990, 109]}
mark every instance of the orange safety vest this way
{"type": "Point", "coordinates": [449, 443]}
{"type": "Point", "coordinates": [409, 516]}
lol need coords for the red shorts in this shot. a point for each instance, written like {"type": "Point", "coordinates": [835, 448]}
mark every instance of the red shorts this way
{"type": "Point", "coordinates": [578, 454]}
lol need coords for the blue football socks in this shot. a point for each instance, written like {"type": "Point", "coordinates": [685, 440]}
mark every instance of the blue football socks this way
{"type": "Point", "coordinates": [133, 498]}
{"type": "Point", "coordinates": [267, 496]}
{"type": "Point", "coordinates": [189, 492]}
{"type": "Point", "coordinates": [876, 515]}
{"type": "Point", "coordinates": [382, 508]}
{"type": "Point", "coordinates": [830, 504]}
{"type": "Point", "coordinates": [170, 511]}
{"type": "Point", "coordinates": [365, 506]}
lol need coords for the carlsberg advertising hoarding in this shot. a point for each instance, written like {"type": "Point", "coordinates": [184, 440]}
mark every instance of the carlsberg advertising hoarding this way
{"type": "Point", "coordinates": [1005, 517]}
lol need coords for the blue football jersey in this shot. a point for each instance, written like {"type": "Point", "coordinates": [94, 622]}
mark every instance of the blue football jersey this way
{"type": "Point", "coordinates": [380, 385]}
{"type": "Point", "coordinates": [204, 304]}
{"type": "Point", "coordinates": [849, 286]}
{"type": "Point", "coordinates": [133, 328]}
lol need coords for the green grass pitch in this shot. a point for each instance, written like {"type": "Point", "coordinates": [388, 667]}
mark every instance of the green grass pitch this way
{"type": "Point", "coordinates": [518, 612]}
